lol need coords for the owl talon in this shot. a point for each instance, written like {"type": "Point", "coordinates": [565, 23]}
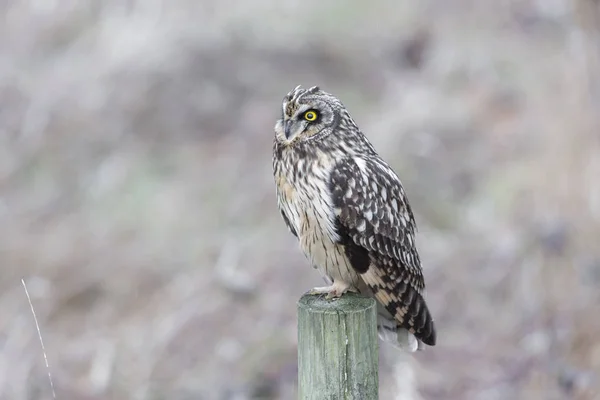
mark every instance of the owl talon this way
{"type": "Point", "coordinates": [332, 296]}
{"type": "Point", "coordinates": [331, 292]}
{"type": "Point", "coordinates": [316, 292]}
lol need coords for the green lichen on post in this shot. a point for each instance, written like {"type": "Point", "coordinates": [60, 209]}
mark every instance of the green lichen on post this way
{"type": "Point", "coordinates": [337, 348]}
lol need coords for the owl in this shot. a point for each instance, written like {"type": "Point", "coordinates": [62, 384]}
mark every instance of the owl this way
{"type": "Point", "coordinates": [350, 214]}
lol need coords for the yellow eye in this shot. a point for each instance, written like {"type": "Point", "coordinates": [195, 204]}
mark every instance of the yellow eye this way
{"type": "Point", "coordinates": [310, 116]}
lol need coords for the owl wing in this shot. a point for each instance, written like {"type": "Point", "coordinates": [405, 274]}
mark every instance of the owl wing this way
{"type": "Point", "coordinates": [377, 228]}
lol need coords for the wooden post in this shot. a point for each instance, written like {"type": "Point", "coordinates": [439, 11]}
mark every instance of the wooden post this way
{"type": "Point", "coordinates": [338, 353]}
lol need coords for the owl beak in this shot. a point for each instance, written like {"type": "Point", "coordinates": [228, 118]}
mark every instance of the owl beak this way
{"type": "Point", "coordinates": [287, 129]}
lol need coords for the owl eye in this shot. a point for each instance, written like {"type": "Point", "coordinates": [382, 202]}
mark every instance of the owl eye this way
{"type": "Point", "coordinates": [310, 115]}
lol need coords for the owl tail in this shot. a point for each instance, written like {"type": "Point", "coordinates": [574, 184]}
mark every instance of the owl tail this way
{"type": "Point", "coordinates": [389, 331]}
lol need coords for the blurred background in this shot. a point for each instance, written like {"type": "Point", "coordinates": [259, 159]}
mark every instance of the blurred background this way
{"type": "Point", "coordinates": [137, 198]}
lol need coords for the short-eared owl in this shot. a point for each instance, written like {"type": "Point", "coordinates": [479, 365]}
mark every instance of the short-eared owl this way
{"type": "Point", "coordinates": [350, 214]}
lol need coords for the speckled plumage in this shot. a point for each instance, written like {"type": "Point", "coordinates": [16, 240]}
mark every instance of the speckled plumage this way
{"type": "Point", "coordinates": [350, 214]}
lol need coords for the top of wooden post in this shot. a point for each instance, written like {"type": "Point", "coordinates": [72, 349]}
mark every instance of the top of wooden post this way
{"type": "Point", "coordinates": [348, 303]}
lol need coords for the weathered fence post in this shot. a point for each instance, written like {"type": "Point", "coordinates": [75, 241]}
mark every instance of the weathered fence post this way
{"type": "Point", "coordinates": [338, 353]}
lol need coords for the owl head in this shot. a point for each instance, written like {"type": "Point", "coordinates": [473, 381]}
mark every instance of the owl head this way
{"type": "Point", "coordinates": [308, 114]}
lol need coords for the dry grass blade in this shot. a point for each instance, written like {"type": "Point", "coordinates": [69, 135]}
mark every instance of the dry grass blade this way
{"type": "Point", "coordinates": [39, 332]}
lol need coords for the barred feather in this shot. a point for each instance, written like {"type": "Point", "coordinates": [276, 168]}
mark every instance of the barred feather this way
{"type": "Point", "coordinates": [374, 215]}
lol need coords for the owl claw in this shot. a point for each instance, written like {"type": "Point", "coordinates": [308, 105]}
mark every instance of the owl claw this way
{"type": "Point", "coordinates": [332, 292]}
{"type": "Point", "coordinates": [332, 296]}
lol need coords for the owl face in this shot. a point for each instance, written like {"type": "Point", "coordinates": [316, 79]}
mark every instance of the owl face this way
{"type": "Point", "coordinates": [308, 114]}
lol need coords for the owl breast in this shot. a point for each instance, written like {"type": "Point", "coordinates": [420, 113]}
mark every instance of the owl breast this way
{"type": "Point", "coordinates": [304, 198]}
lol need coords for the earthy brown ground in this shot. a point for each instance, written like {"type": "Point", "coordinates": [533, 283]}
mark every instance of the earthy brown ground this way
{"type": "Point", "coordinates": [137, 201]}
